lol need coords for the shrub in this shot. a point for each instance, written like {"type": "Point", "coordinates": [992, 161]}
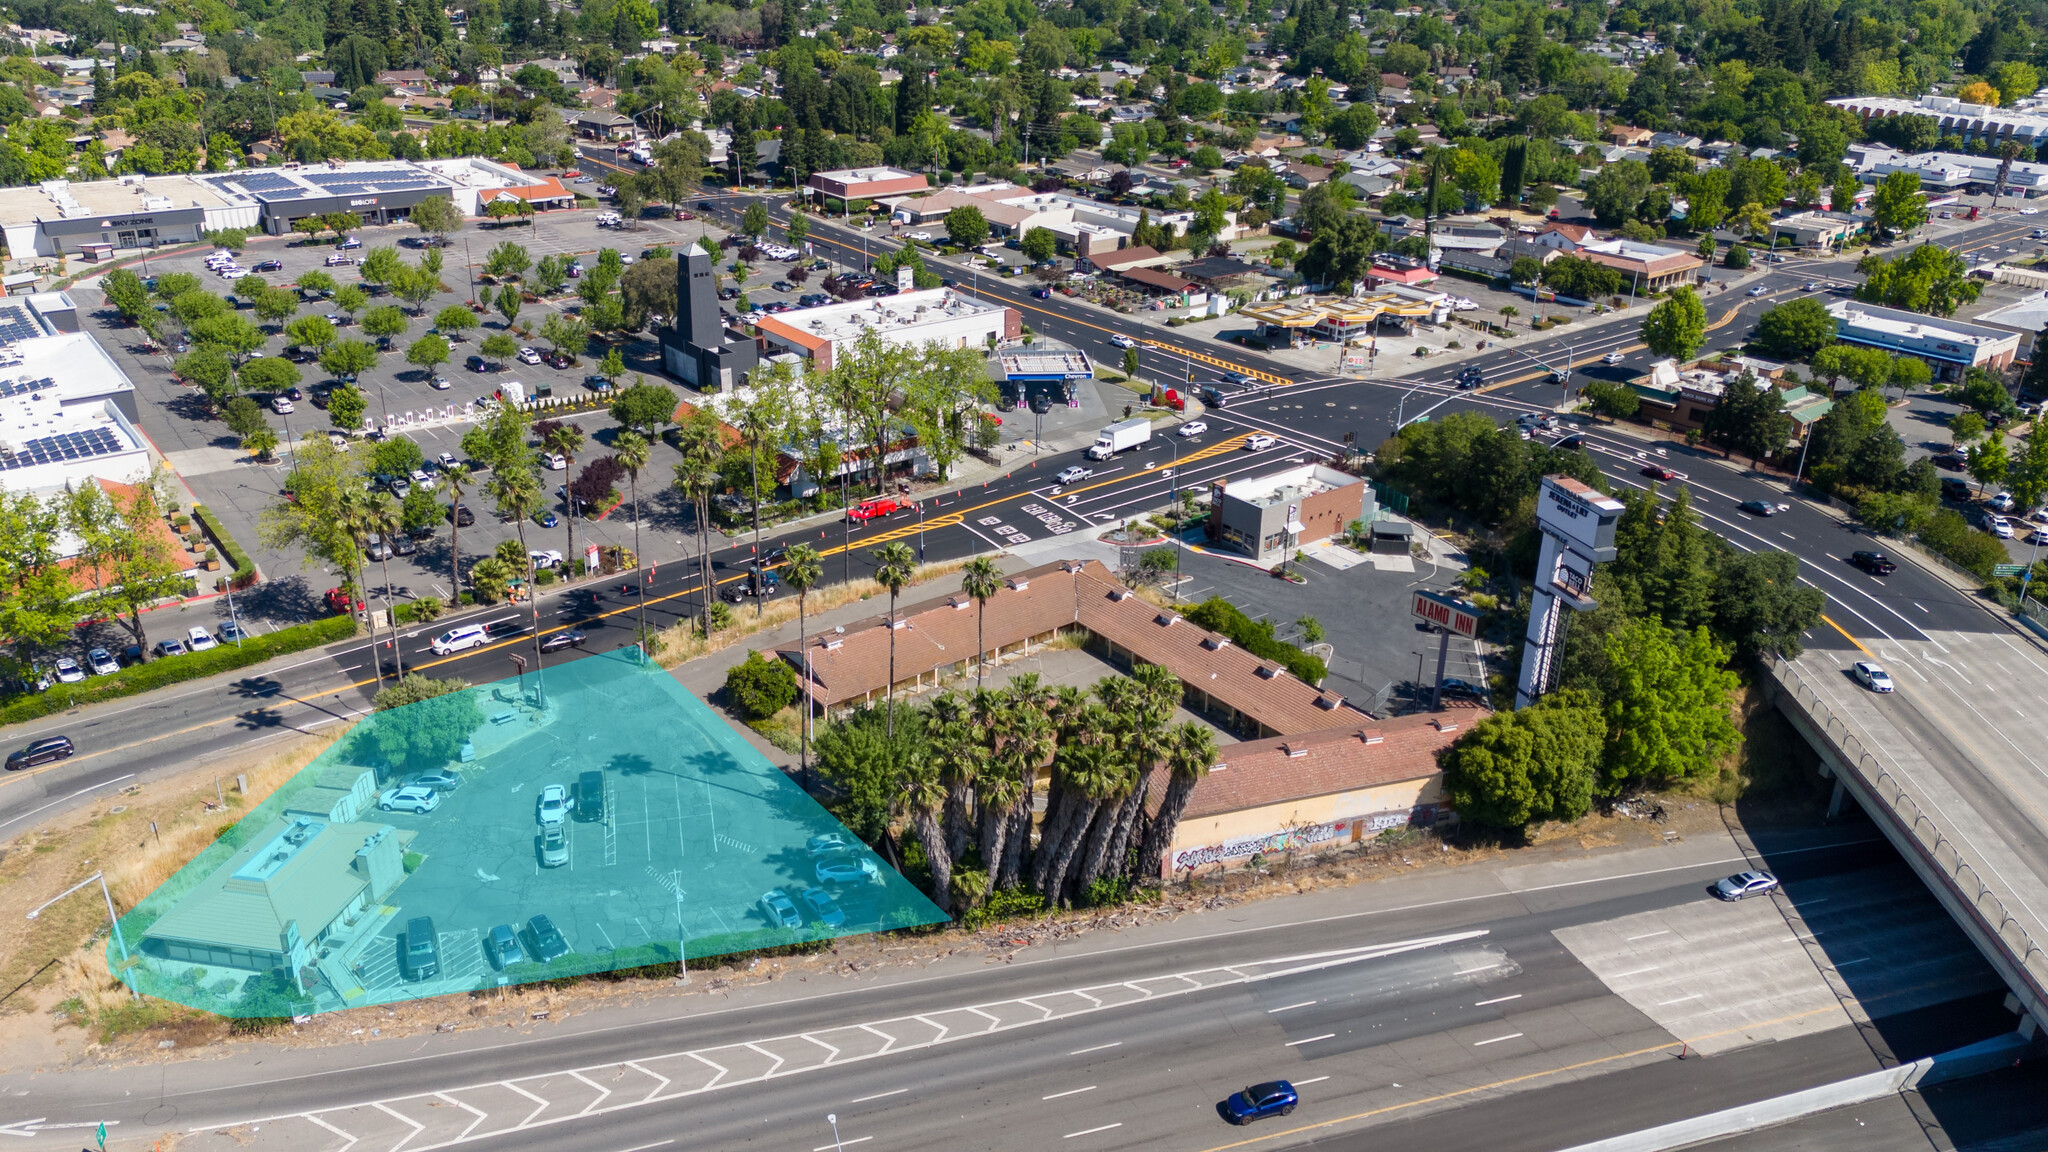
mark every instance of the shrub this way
{"type": "Point", "coordinates": [244, 568]}
{"type": "Point", "coordinates": [1947, 534]}
{"type": "Point", "coordinates": [1256, 637]}
{"type": "Point", "coordinates": [760, 687]}
{"type": "Point", "coordinates": [1007, 904]}
{"type": "Point", "coordinates": [192, 666]}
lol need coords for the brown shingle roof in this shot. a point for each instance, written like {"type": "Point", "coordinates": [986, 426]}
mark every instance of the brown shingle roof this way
{"type": "Point", "coordinates": [940, 633]}
{"type": "Point", "coordinates": [1261, 772]}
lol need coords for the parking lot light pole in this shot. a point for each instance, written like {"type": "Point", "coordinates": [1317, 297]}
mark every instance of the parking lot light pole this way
{"type": "Point", "coordinates": [833, 1119]}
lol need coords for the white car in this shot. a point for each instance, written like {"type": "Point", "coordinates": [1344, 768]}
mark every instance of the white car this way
{"type": "Point", "coordinates": [555, 461]}
{"type": "Point", "coordinates": [199, 639]}
{"type": "Point", "coordinates": [1612, 358]}
{"type": "Point", "coordinates": [1259, 442]}
{"type": "Point", "coordinates": [1999, 526]}
{"type": "Point", "coordinates": [2030, 211]}
{"type": "Point", "coordinates": [914, 236]}
{"type": "Point", "coordinates": [1871, 676]}
{"type": "Point", "coordinates": [554, 846]}
{"type": "Point", "coordinates": [1759, 290]}
{"type": "Point", "coordinates": [1194, 428]}
{"type": "Point", "coordinates": [411, 798]}
{"type": "Point", "coordinates": [442, 384]}
{"type": "Point", "coordinates": [282, 405]}
{"type": "Point", "coordinates": [546, 558]}
{"type": "Point", "coordinates": [828, 843]}
{"type": "Point", "coordinates": [68, 671]}
{"type": "Point", "coordinates": [824, 907]}
{"type": "Point", "coordinates": [233, 273]}
{"type": "Point", "coordinates": [1123, 341]}
{"type": "Point", "coordinates": [529, 356]}
{"type": "Point", "coordinates": [2002, 502]}
{"type": "Point", "coordinates": [553, 806]}
{"type": "Point", "coordinates": [421, 478]}
{"type": "Point", "coordinates": [447, 460]}
{"type": "Point", "coordinates": [1463, 305]}
{"type": "Point", "coordinates": [1743, 885]}
{"type": "Point", "coordinates": [844, 868]}
{"type": "Point", "coordinates": [780, 910]}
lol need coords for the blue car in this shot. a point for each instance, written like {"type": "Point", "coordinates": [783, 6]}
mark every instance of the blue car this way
{"type": "Point", "coordinates": [1273, 1098]}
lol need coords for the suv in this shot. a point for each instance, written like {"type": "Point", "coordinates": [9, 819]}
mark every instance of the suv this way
{"type": "Point", "coordinates": [422, 950]}
{"type": "Point", "coordinates": [1874, 563]}
{"type": "Point", "coordinates": [589, 796]}
{"type": "Point", "coordinates": [44, 751]}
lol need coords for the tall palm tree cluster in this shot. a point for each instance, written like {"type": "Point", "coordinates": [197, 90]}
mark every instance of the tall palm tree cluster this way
{"type": "Point", "coordinates": [963, 775]}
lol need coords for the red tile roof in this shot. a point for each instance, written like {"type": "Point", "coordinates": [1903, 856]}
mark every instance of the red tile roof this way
{"type": "Point", "coordinates": [1298, 767]}
{"type": "Point", "coordinates": [938, 634]}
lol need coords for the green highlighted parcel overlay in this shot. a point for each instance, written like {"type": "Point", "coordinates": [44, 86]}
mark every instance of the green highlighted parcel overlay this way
{"type": "Point", "coordinates": [599, 819]}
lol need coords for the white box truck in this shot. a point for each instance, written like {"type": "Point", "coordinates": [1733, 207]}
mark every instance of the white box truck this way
{"type": "Point", "coordinates": [1123, 434]}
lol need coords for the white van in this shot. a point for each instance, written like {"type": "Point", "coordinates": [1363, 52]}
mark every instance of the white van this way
{"type": "Point", "coordinates": [458, 639]}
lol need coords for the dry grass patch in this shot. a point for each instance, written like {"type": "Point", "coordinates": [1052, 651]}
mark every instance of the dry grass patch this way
{"type": "Point", "coordinates": [681, 643]}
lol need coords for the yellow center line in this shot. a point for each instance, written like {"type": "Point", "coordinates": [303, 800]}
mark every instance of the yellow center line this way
{"type": "Point", "coordinates": [1849, 638]}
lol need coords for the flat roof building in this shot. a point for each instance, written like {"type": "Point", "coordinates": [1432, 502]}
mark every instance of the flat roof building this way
{"type": "Point", "coordinates": [1953, 117]}
{"type": "Point", "coordinates": [61, 217]}
{"type": "Point", "coordinates": [944, 316]}
{"type": "Point", "coordinates": [379, 191]}
{"type": "Point", "coordinates": [1268, 517]}
{"type": "Point", "coordinates": [1950, 347]}
{"type": "Point", "coordinates": [477, 182]}
{"type": "Point", "coordinates": [67, 411]}
{"type": "Point", "coordinates": [849, 184]}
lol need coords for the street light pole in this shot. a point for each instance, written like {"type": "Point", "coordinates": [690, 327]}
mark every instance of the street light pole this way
{"type": "Point", "coordinates": [833, 1119]}
{"type": "Point", "coordinates": [113, 921]}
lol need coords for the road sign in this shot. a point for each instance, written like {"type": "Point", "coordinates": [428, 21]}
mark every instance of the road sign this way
{"type": "Point", "coordinates": [101, 1135]}
{"type": "Point", "coordinates": [2008, 569]}
{"type": "Point", "coordinates": [1446, 612]}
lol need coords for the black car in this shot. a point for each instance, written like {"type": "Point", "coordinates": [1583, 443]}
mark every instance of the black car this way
{"type": "Point", "coordinates": [402, 544]}
{"type": "Point", "coordinates": [422, 949]}
{"type": "Point", "coordinates": [461, 516]}
{"type": "Point", "coordinates": [1761, 507]}
{"type": "Point", "coordinates": [728, 293]}
{"type": "Point", "coordinates": [1571, 443]}
{"type": "Point", "coordinates": [1950, 461]}
{"type": "Point", "coordinates": [546, 941]}
{"type": "Point", "coordinates": [556, 360]}
{"type": "Point", "coordinates": [44, 751]}
{"type": "Point", "coordinates": [597, 383]}
{"type": "Point", "coordinates": [479, 364]}
{"type": "Point", "coordinates": [268, 266]}
{"type": "Point", "coordinates": [555, 642]}
{"type": "Point", "coordinates": [590, 796]}
{"type": "Point", "coordinates": [1875, 563]}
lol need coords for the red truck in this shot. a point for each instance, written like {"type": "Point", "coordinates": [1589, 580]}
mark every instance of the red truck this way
{"type": "Point", "coordinates": [869, 509]}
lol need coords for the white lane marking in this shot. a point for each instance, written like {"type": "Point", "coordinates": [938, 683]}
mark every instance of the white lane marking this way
{"type": "Point", "coordinates": [1305, 1083]}
{"type": "Point", "coordinates": [1498, 1039]}
{"type": "Point", "coordinates": [645, 1147]}
{"type": "Point", "coordinates": [1092, 1131]}
{"type": "Point", "coordinates": [61, 799]}
{"type": "Point", "coordinates": [1498, 1000]}
{"type": "Point", "coordinates": [1097, 1048]}
{"type": "Point", "coordinates": [878, 1096]}
{"type": "Point", "coordinates": [837, 1144]}
{"type": "Point", "coordinates": [1647, 935]}
{"type": "Point", "coordinates": [1290, 1007]}
{"type": "Point", "coordinates": [1070, 1092]}
{"type": "Point", "coordinates": [1481, 968]}
{"type": "Point", "coordinates": [1634, 972]}
{"type": "Point", "coordinates": [1680, 1000]}
{"type": "Point", "coordinates": [1310, 1040]}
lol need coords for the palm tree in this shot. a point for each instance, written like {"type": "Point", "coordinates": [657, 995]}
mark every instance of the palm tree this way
{"type": "Point", "coordinates": [381, 515]}
{"type": "Point", "coordinates": [631, 450]}
{"type": "Point", "coordinates": [517, 491]}
{"type": "Point", "coordinates": [801, 570]}
{"type": "Point", "coordinates": [895, 564]}
{"type": "Point", "coordinates": [697, 477]}
{"type": "Point", "coordinates": [980, 579]}
{"type": "Point", "coordinates": [924, 794]}
{"type": "Point", "coordinates": [1089, 773]}
{"type": "Point", "coordinates": [566, 440]}
{"type": "Point", "coordinates": [353, 516]}
{"type": "Point", "coordinates": [1188, 759]}
{"type": "Point", "coordinates": [455, 476]}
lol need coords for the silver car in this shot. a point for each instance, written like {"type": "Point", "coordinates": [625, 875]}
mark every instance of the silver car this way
{"type": "Point", "coordinates": [1743, 885]}
{"type": "Point", "coordinates": [780, 911]}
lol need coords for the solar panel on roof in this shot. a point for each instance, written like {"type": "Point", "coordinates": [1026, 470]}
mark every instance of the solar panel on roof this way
{"type": "Point", "coordinates": [62, 446]}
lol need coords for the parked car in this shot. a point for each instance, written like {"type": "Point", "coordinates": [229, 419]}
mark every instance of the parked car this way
{"type": "Point", "coordinates": [460, 515]}
{"type": "Point", "coordinates": [169, 648]}
{"type": "Point", "coordinates": [828, 843]}
{"type": "Point", "coordinates": [422, 949]}
{"type": "Point", "coordinates": [1998, 526]}
{"type": "Point", "coordinates": [232, 633]}
{"type": "Point", "coordinates": [781, 912]}
{"type": "Point", "coordinates": [1871, 676]}
{"type": "Point", "coordinates": [554, 805]}
{"type": "Point", "coordinates": [198, 639]}
{"type": "Point", "coordinates": [1743, 885]}
{"type": "Point", "coordinates": [267, 266]}
{"type": "Point", "coordinates": [546, 941]}
{"type": "Point", "coordinates": [1875, 563]}
{"type": "Point", "coordinates": [501, 947]}
{"type": "Point", "coordinates": [844, 868]}
{"type": "Point", "coordinates": [68, 670]}
{"type": "Point", "coordinates": [824, 907]}
{"type": "Point", "coordinates": [102, 662]}
{"type": "Point", "coordinates": [1041, 293]}
{"type": "Point", "coordinates": [554, 846]}
{"type": "Point", "coordinates": [440, 780]}
{"type": "Point", "coordinates": [1273, 1098]}
{"type": "Point", "coordinates": [47, 750]}
{"type": "Point", "coordinates": [409, 798]}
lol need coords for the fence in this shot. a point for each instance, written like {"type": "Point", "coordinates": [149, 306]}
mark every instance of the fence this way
{"type": "Point", "coordinates": [1895, 803]}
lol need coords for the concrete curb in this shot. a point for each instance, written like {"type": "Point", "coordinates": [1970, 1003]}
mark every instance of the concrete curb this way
{"type": "Point", "coordinates": [1997, 1052]}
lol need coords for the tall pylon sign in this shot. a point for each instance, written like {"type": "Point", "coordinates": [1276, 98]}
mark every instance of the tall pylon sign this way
{"type": "Point", "coordinates": [1577, 524]}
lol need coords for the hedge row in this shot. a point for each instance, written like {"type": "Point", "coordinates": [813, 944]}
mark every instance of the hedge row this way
{"type": "Point", "coordinates": [244, 568]}
{"type": "Point", "coordinates": [1256, 637]}
{"type": "Point", "coordinates": [1949, 535]}
{"type": "Point", "coordinates": [140, 678]}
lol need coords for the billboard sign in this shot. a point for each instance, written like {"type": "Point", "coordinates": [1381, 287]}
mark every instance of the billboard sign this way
{"type": "Point", "coordinates": [1581, 517]}
{"type": "Point", "coordinates": [1446, 612]}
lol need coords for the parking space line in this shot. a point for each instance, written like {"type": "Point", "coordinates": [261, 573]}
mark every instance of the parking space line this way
{"type": "Point", "coordinates": [842, 1144]}
{"type": "Point", "coordinates": [1097, 1048]}
{"type": "Point", "coordinates": [1680, 1000]}
{"type": "Point", "coordinates": [1310, 1040]}
{"type": "Point", "coordinates": [1634, 972]}
{"type": "Point", "coordinates": [1069, 1092]}
{"type": "Point", "coordinates": [878, 1096]}
{"type": "Point", "coordinates": [1289, 1007]}
{"type": "Point", "coordinates": [1084, 1132]}
{"type": "Point", "coordinates": [1498, 1000]}
{"type": "Point", "coordinates": [1498, 1039]}
{"type": "Point", "coordinates": [1647, 935]}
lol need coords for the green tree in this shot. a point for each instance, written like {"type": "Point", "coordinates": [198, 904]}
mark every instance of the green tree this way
{"type": "Point", "coordinates": [420, 723]}
{"type": "Point", "coordinates": [759, 687]}
{"type": "Point", "coordinates": [276, 305]}
{"type": "Point", "coordinates": [381, 266]}
{"type": "Point", "coordinates": [436, 216]}
{"type": "Point", "coordinates": [1667, 697]}
{"type": "Point", "coordinates": [966, 226]}
{"type": "Point", "coordinates": [1677, 325]}
{"type": "Point", "coordinates": [645, 408]}
{"type": "Point", "coordinates": [2027, 474]}
{"type": "Point", "coordinates": [346, 408]}
{"type": "Point", "coordinates": [347, 359]}
{"type": "Point", "coordinates": [1988, 460]}
{"type": "Point", "coordinates": [130, 561]}
{"type": "Point", "coordinates": [754, 221]}
{"type": "Point", "coordinates": [1750, 419]}
{"type": "Point", "coordinates": [1930, 279]}
{"type": "Point", "coordinates": [895, 568]}
{"type": "Point", "coordinates": [1517, 768]}
{"type": "Point", "coordinates": [1760, 605]}
{"type": "Point", "coordinates": [315, 332]}
{"type": "Point", "coordinates": [37, 605]}
{"type": "Point", "coordinates": [1039, 245]}
{"type": "Point", "coordinates": [508, 302]}
{"type": "Point", "coordinates": [386, 321]}
{"type": "Point", "coordinates": [1897, 205]}
{"type": "Point", "coordinates": [1795, 329]}
{"type": "Point", "coordinates": [507, 261]}
{"type": "Point", "coordinates": [427, 353]}
{"type": "Point", "coordinates": [1616, 190]}
{"type": "Point", "coordinates": [453, 321]}
{"type": "Point", "coordinates": [981, 579]}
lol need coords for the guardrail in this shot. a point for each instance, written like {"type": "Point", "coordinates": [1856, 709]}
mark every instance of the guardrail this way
{"type": "Point", "coordinates": [1896, 803]}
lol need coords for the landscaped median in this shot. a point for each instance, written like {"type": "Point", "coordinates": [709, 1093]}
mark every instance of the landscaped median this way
{"type": "Point", "coordinates": [176, 669]}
